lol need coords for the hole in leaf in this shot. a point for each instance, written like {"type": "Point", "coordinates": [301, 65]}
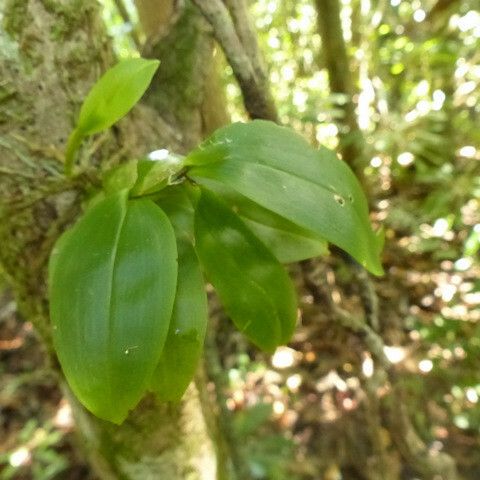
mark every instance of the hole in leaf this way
{"type": "Point", "coordinates": [340, 200]}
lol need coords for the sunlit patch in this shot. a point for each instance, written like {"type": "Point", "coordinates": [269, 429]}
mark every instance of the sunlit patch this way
{"type": "Point", "coordinates": [278, 407]}
{"type": "Point", "coordinates": [353, 383]}
{"type": "Point", "coordinates": [294, 382]}
{"type": "Point", "coordinates": [461, 421]}
{"type": "Point", "coordinates": [300, 99]}
{"type": "Point", "coordinates": [425, 365]}
{"type": "Point", "coordinates": [238, 397]}
{"type": "Point", "coordinates": [349, 403]}
{"type": "Point", "coordinates": [469, 21]}
{"type": "Point", "coordinates": [459, 352]}
{"type": "Point", "coordinates": [422, 88]}
{"type": "Point", "coordinates": [20, 457]}
{"type": "Point", "coordinates": [446, 291]}
{"type": "Point", "coordinates": [463, 264]}
{"type": "Point", "coordinates": [427, 300]}
{"type": "Point", "coordinates": [462, 69]}
{"type": "Point", "coordinates": [331, 380]}
{"type": "Point", "coordinates": [288, 72]}
{"type": "Point", "coordinates": [411, 116]}
{"type": "Point", "coordinates": [395, 354]}
{"type": "Point", "coordinates": [447, 354]}
{"type": "Point", "coordinates": [405, 159]}
{"type": "Point", "coordinates": [472, 298]}
{"type": "Point", "coordinates": [440, 227]}
{"type": "Point", "coordinates": [158, 155]}
{"type": "Point", "coordinates": [419, 15]}
{"type": "Point", "coordinates": [274, 42]}
{"type": "Point", "coordinates": [438, 99]}
{"type": "Point", "coordinates": [423, 107]}
{"type": "Point", "coordinates": [368, 367]}
{"type": "Point", "coordinates": [466, 88]}
{"type": "Point", "coordinates": [284, 357]}
{"type": "Point", "coordinates": [468, 151]}
{"type": "Point", "coordinates": [471, 395]}
{"type": "Point", "coordinates": [63, 418]}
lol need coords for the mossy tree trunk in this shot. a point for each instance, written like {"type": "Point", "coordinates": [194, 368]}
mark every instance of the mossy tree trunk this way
{"type": "Point", "coordinates": [51, 52]}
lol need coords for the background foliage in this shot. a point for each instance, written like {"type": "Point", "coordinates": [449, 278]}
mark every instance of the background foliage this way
{"type": "Point", "coordinates": [301, 413]}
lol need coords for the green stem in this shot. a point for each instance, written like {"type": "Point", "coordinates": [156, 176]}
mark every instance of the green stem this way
{"type": "Point", "coordinates": [73, 144]}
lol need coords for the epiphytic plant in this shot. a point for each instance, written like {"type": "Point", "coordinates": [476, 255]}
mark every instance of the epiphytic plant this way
{"type": "Point", "coordinates": [126, 287]}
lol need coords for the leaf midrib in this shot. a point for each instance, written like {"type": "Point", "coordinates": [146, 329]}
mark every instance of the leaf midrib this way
{"type": "Point", "coordinates": [113, 263]}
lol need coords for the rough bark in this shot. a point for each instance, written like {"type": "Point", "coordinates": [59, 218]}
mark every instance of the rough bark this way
{"type": "Point", "coordinates": [186, 88]}
{"type": "Point", "coordinates": [242, 55]}
{"type": "Point", "coordinates": [50, 54]}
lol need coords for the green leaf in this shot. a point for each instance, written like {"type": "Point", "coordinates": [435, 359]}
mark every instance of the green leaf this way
{"type": "Point", "coordinates": [154, 175]}
{"type": "Point", "coordinates": [121, 177]}
{"type": "Point", "coordinates": [115, 93]}
{"type": "Point", "coordinates": [110, 99]}
{"type": "Point", "coordinates": [252, 285]}
{"type": "Point", "coordinates": [279, 170]}
{"type": "Point", "coordinates": [186, 335]}
{"type": "Point", "coordinates": [288, 247]}
{"type": "Point", "coordinates": [112, 280]}
{"type": "Point", "coordinates": [287, 241]}
{"type": "Point", "coordinates": [184, 344]}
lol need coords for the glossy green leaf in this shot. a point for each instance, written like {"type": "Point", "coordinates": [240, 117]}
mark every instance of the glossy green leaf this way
{"type": "Point", "coordinates": [121, 177]}
{"type": "Point", "coordinates": [252, 285]}
{"type": "Point", "coordinates": [154, 175]}
{"type": "Point", "coordinates": [110, 99]}
{"type": "Point", "coordinates": [115, 93]}
{"type": "Point", "coordinates": [279, 170]}
{"type": "Point", "coordinates": [287, 241]}
{"type": "Point", "coordinates": [112, 280]}
{"type": "Point", "coordinates": [184, 344]}
{"type": "Point", "coordinates": [186, 335]}
{"type": "Point", "coordinates": [287, 247]}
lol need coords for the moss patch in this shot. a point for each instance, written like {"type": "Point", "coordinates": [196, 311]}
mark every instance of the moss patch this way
{"type": "Point", "coordinates": [16, 17]}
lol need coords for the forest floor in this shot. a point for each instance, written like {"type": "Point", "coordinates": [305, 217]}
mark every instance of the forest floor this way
{"type": "Point", "coordinates": [306, 412]}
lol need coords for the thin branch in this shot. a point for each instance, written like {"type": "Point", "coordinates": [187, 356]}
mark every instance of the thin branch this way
{"type": "Point", "coordinates": [257, 99]}
{"type": "Point", "coordinates": [337, 63]}
{"type": "Point", "coordinates": [216, 373]}
{"type": "Point", "coordinates": [247, 35]}
{"type": "Point", "coordinates": [122, 10]}
{"type": "Point", "coordinates": [440, 7]}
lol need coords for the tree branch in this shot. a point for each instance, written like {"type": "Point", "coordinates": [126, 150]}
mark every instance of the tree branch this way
{"type": "Point", "coordinates": [122, 10]}
{"type": "Point", "coordinates": [256, 97]}
{"type": "Point", "coordinates": [337, 62]}
{"type": "Point", "coordinates": [440, 7]}
{"type": "Point", "coordinates": [248, 37]}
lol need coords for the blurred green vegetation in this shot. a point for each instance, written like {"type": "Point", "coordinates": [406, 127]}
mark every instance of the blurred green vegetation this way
{"type": "Point", "coordinates": [416, 74]}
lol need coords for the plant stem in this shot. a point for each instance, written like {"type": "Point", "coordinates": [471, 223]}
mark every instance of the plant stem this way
{"type": "Point", "coordinates": [73, 143]}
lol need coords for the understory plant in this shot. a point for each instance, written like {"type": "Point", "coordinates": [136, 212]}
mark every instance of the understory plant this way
{"type": "Point", "coordinates": [127, 281]}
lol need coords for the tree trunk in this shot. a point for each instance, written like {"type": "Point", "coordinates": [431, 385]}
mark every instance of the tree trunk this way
{"type": "Point", "coordinates": [51, 52]}
{"type": "Point", "coordinates": [334, 52]}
